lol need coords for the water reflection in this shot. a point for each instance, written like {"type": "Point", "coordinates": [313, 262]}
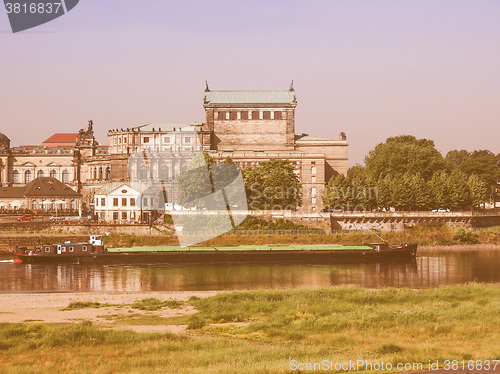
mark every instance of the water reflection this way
{"type": "Point", "coordinates": [428, 270]}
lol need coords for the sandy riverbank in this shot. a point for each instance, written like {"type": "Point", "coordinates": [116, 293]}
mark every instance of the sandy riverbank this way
{"type": "Point", "coordinates": [48, 308]}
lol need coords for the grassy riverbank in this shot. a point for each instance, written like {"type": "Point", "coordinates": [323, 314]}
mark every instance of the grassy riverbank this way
{"type": "Point", "coordinates": [261, 331]}
{"type": "Point", "coordinates": [429, 234]}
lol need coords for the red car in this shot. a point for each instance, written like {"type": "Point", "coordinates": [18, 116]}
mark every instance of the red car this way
{"type": "Point", "coordinates": [26, 217]}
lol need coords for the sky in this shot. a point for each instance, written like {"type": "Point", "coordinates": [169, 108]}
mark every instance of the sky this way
{"type": "Point", "coordinates": [372, 69]}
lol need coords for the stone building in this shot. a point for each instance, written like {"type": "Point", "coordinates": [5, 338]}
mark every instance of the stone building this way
{"type": "Point", "coordinates": [248, 126]}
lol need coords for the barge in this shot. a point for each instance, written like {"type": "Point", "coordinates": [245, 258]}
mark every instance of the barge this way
{"type": "Point", "coordinates": [93, 251]}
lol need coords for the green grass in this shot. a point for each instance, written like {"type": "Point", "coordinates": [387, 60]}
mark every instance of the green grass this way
{"type": "Point", "coordinates": [155, 304]}
{"type": "Point", "coordinates": [86, 304]}
{"type": "Point", "coordinates": [337, 324]}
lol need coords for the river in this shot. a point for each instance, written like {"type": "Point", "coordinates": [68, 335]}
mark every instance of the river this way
{"type": "Point", "coordinates": [431, 268]}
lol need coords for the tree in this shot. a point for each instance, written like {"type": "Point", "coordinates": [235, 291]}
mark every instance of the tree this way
{"type": "Point", "coordinates": [456, 158]}
{"type": "Point", "coordinates": [272, 185]}
{"type": "Point", "coordinates": [404, 154]}
{"type": "Point", "coordinates": [477, 190]}
{"type": "Point", "coordinates": [485, 165]}
{"type": "Point", "coordinates": [440, 189]}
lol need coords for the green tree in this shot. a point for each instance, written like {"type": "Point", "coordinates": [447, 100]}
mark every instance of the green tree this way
{"type": "Point", "coordinates": [456, 158]}
{"type": "Point", "coordinates": [460, 192]}
{"type": "Point", "coordinates": [485, 165]}
{"type": "Point", "coordinates": [272, 185]}
{"type": "Point", "coordinates": [402, 154]}
{"type": "Point", "coordinates": [440, 189]}
{"type": "Point", "coordinates": [477, 190]}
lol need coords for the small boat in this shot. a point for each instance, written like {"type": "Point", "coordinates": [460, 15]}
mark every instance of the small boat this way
{"type": "Point", "coordinates": [93, 251]}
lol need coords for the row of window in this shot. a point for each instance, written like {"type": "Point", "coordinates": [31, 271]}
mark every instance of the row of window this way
{"type": "Point", "coordinates": [166, 140]}
{"type": "Point", "coordinates": [146, 201]}
{"type": "Point", "coordinates": [53, 205]}
{"type": "Point", "coordinates": [70, 249]}
{"type": "Point", "coordinates": [28, 175]}
{"type": "Point", "coordinates": [246, 115]}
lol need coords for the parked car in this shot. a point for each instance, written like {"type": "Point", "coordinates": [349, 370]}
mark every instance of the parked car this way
{"type": "Point", "coordinates": [26, 217]}
{"type": "Point", "coordinates": [441, 210]}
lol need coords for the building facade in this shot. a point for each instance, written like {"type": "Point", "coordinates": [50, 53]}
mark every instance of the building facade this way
{"type": "Point", "coordinates": [248, 126]}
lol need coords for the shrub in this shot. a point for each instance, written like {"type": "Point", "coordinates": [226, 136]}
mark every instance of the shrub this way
{"type": "Point", "coordinates": [463, 236]}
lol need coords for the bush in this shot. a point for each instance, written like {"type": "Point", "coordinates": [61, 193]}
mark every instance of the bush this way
{"type": "Point", "coordinates": [463, 236]}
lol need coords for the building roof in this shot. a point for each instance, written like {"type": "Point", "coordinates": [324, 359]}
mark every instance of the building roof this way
{"type": "Point", "coordinates": [62, 138]}
{"type": "Point", "coordinates": [311, 138]}
{"type": "Point", "coordinates": [168, 127]}
{"type": "Point", "coordinates": [40, 187]}
{"type": "Point", "coordinates": [112, 186]}
{"type": "Point", "coordinates": [250, 97]}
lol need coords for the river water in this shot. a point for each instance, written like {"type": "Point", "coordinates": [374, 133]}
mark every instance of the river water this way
{"type": "Point", "coordinates": [431, 268]}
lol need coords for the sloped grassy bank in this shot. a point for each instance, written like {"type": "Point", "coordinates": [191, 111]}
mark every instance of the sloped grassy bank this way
{"type": "Point", "coordinates": [336, 324]}
{"type": "Point", "coordinates": [424, 235]}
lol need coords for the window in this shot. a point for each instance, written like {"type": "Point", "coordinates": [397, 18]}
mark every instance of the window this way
{"type": "Point", "coordinates": [244, 115]}
{"type": "Point", "coordinates": [267, 115]}
{"type": "Point", "coordinates": [115, 201]}
{"type": "Point", "coordinates": [65, 176]}
{"type": "Point", "coordinates": [255, 114]}
{"type": "Point", "coordinates": [313, 191]}
{"type": "Point", "coordinates": [27, 176]}
{"type": "Point", "coordinates": [115, 216]}
{"type": "Point", "coordinates": [124, 215]}
{"type": "Point", "coordinates": [166, 139]}
{"type": "Point", "coordinates": [132, 201]}
{"type": "Point", "coordinates": [233, 115]}
{"type": "Point", "coordinates": [71, 249]}
{"type": "Point", "coordinates": [47, 249]}
{"type": "Point", "coordinates": [145, 201]}
{"type": "Point", "coordinates": [124, 201]}
{"type": "Point", "coordinates": [39, 174]}
{"type": "Point", "coordinates": [187, 140]}
{"type": "Point", "coordinates": [313, 179]}
{"type": "Point", "coordinates": [278, 115]}
{"type": "Point", "coordinates": [103, 201]}
{"type": "Point", "coordinates": [52, 174]}
{"type": "Point", "coordinates": [124, 140]}
{"type": "Point", "coordinates": [96, 201]}
{"type": "Point", "coordinates": [63, 249]}
{"type": "Point", "coordinates": [146, 139]}
{"type": "Point", "coordinates": [73, 204]}
{"type": "Point", "coordinates": [15, 176]}
{"type": "Point", "coordinates": [84, 248]}
{"type": "Point", "coordinates": [222, 115]}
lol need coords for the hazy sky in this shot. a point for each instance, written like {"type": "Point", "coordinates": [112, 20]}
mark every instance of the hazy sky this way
{"type": "Point", "coordinates": [372, 69]}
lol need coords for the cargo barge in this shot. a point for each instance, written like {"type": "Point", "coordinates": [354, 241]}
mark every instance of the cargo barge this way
{"type": "Point", "coordinates": [93, 251]}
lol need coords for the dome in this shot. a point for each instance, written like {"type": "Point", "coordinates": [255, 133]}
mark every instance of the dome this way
{"type": "Point", "coordinates": [4, 142]}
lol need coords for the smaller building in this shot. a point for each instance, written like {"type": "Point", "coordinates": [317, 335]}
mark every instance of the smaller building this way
{"type": "Point", "coordinates": [44, 193]}
{"type": "Point", "coordinates": [125, 202]}
{"type": "Point", "coordinates": [61, 140]}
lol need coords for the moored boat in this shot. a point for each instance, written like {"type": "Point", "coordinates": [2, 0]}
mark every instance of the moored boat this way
{"type": "Point", "coordinates": [93, 251]}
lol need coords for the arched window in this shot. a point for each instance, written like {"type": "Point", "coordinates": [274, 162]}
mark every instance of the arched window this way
{"type": "Point", "coordinates": [65, 176]}
{"type": "Point", "coordinates": [108, 173]}
{"type": "Point", "coordinates": [255, 114]}
{"type": "Point", "coordinates": [15, 177]}
{"type": "Point", "coordinates": [143, 173]}
{"type": "Point", "coordinates": [100, 174]}
{"type": "Point", "coordinates": [222, 115]}
{"type": "Point", "coordinates": [39, 174]}
{"type": "Point", "coordinates": [244, 115]}
{"type": "Point", "coordinates": [52, 173]}
{"type": "Point", "coordinates": [278, 115]}
{"type": "Point", "coordinates": [163, 172]}
{"type": "Point", "coordinates": [233, 115]}
{"type": "Point", "coordinates": [267, 115]}
{"type": "Point", "coordinates": [28, 177]}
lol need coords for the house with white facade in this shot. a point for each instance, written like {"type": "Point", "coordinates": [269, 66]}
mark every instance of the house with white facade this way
{"type": "Point", "coordinates": [125, 202]}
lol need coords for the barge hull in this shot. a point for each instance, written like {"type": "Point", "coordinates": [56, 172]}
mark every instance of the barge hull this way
{"type": "Point", "coordinates": [306, 256]}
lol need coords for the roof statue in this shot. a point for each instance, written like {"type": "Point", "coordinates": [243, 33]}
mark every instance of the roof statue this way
{"type": "Point", "coordinates": [89, 131]}
{"type": "Point", "coordinates": [206, 87]}
{"type": "Point", "coordinates": [291, 86]}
